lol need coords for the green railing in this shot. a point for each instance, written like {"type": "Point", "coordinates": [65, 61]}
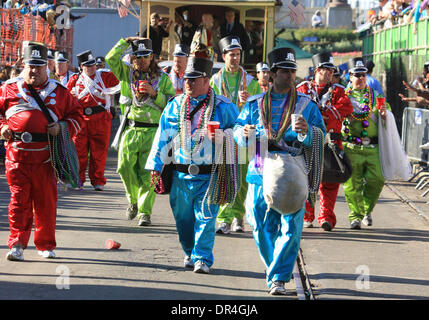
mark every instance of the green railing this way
{"type": "Point", "coordinates": [399, 54]}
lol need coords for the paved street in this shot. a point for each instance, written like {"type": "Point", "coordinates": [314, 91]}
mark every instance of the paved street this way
{"type": "Point", "coordinates": [386, 261]}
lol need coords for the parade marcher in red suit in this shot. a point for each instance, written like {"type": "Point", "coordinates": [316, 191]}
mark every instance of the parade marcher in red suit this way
{"type": "Point", "coordinates": [176, 73]}
{"type": "Point", "coordinates": [334, 106]}
{"type": "Point", "coordinates": [29, 171]}
{"type": "Point", "coordinates": [93, 88]}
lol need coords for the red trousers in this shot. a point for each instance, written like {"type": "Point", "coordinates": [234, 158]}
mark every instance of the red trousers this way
{"type": "Point", "coordinates": [93, 139]}
{"type": "Point", "coordinates": [328, 196]}
{"type": "Point", "coordinates": [33, 193]}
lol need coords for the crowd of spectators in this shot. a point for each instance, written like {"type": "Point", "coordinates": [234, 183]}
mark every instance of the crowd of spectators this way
{"type": "Point", "coordinates": [46, 9]}
{"type": "Point", "coordinates": [391, 12]}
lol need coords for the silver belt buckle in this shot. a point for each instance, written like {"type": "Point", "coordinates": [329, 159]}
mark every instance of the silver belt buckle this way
{"type": "Point", "coordinates": [88, 111]}
{"type": "Point", "coordinates": [26, 137]}
{"type": "Point", "coordinates": [366, 141]}
{"type": "Point", "coordinates": [193, 170]}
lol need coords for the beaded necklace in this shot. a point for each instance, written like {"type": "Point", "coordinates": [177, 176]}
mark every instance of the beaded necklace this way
{"type": "Point", "coordinates": [265, 111]}
{"type": "Point", "coordinates": [362, 116]}
{"type": "Point", "coordinates": [225, 86]}
{"type": "Point", "coordinates": [191, 143]}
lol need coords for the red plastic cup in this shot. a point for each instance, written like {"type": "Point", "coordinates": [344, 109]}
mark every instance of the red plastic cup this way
{"type": "Point", "coordinates": [380, 102]}
{"type": "Point", "coordinates": [112, 244]}
{"type": "Point", "coordinates": [212, 126]}
{"type": "Point", "coordinates": [141, 85]}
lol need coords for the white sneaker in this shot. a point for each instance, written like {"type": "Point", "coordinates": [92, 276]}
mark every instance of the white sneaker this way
{"type": "Point", "coordinates": [278, 288]}
{"type": "Point", "coordinates": [187, 262]}
{"type": "Point", "coordinates": [201, 267]}
{"type": "Point", "coordinates": [49, 254]}
{"type": "Point", "coordinates": [99, 187]}
{"type": "Point", "coordinates": [15, 254]}
{"type": "Point", "coordinates": [238, 225]}
{"type": "Point", "coordinates": [223, 228]}
{"type": "Point", "coordinates": [367, 220]}
{"type": "Point", "coordinates": [308, 224]}
{"type": "Point", "coordinates": [425, 146]}
{"type": "Point", "coordinates": [355, 224]}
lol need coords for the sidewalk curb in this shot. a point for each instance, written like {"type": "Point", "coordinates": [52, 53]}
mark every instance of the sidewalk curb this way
{"type": "Point", "coordinates": [407, 201]}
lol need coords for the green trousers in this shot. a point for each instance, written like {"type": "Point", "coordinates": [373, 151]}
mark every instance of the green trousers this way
{"type": "Point", "coordinates": [363, 188]}
{"type": "Point", "coordinates": [237, 210]}
{"type": "Point", "coordinates": [132, 156]}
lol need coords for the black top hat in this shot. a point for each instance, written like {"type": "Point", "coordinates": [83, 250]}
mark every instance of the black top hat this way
{"type": "Point", "coordinates": [284, 58]}
{"type": "Point", "coordinates": [323, 60]}
{"type": "Point", "coordinates": [99, 60]}
{"type": "Point", "coordinates": [51, 54]}
{"type": "Point", "coordinates": [35, 54]}
{"type": "Point", "coordinates": [198, 67]}
{"type": "Point", "coordinates": [229, 43]}
{"type": "Point", "coordinates": [141, 47]}
{"type": "Point", "coordinates": [85, 58]}
{"type": "Point", "coordinates": [61, 56]}
{"type": "Point", "coordinates": [181, 50]}
{"type": "Point", "coordinates": [262, 66]}
{"type": "Point", "coordinates": [357, 65]}
{"type": "Point", "coordinates": [337, 72]}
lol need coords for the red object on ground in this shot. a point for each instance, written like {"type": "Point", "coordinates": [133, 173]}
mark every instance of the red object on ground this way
{"type": "Point", "coordinates": [112, 244]}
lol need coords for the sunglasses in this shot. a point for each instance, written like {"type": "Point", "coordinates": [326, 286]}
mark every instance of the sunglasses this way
{"type": "Point", "coordinates": [359, 75]}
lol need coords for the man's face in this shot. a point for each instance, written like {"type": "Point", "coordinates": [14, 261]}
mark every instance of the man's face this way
{"type": "Point", "coordinates": [284, 78]}
{"type": "Point", "coordinates": [89, 70]}
{"type": "Point", "coordinates": [197, 87]}
{"type": "Point", "coordinates": [142, 63]}
{"type": "Point", "coordinates": [61, 68]}
{"type": "Point", "coordinates": [154, 20]}
{"type": "Point", "coordinates": [51, 65]}
{"type": "Point", "coordinates": [263, 76]}
{"type": "Point", "coordinates": [323, 75]}
{"type": "Point", "coordinates": [232, 58]}
{"type": "Point", "coordinates": [358, 80]}
{"type": "Point", "coordinates": [180, 63]}
{"type": "Point", "coordinates": [207, 20]}
{"type": "Point", "coordinates": [229, 16]}
{"type": "Point", "coordinates": [35, 75]}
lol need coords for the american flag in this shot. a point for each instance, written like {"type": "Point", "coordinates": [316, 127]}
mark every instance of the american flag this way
{"type": "Point", "coordinates": [126, 3]}
{"type": "Point", "coordinates": [296, 13]}
{"type": "Point", "coordinates": [122, 10]}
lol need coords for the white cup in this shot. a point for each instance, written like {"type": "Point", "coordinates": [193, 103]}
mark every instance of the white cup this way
{"type": "Point", "coordinates": [240, 92]}
{"type": "Point", "coordinates": [294, 118]}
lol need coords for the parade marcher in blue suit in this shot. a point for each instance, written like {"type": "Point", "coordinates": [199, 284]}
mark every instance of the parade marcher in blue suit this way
{"type": "Point", "coordinates": [195, 220]}
{"type": "Point", "coordinates": [277, 236]}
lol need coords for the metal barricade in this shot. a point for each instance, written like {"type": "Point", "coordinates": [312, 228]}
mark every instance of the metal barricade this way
{"type": "Point", "coordinates": [415, 133]}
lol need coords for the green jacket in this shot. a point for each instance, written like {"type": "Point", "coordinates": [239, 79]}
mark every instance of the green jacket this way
{"type": "Point", "coordinates": [252, 86]}
{"type": "Point", "coordinates": [149, 110]}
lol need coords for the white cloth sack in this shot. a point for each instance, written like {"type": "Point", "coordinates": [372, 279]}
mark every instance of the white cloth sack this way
{"type": "Point", "coordinates": [285, 182]}
{"type": "Point", "coordinates": [394, 162]}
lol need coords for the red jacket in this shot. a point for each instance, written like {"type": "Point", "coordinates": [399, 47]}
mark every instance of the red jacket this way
{"type": "Point", "coordinates": [334, 105]}
{"type": "Point", "coordinates": [22, 115]}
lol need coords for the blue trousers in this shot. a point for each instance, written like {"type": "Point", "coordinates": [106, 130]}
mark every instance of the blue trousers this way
{"type": "Point", "coordinates": [277, 236]}
{"type": "Point", "coordinates": [196, 229]}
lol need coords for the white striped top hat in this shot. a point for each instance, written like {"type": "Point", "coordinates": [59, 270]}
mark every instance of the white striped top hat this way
{"type": "Point", "coordinates": [198, 67]}
{"type": "Point", "coordinates": [262, 66]}
{"type": "Point", "coordinates": [141, 47]}
{"type": "Point", "coordinates": [357, 65]}
{"type": "Point", "coordinates": [181, 50]}
{"type": "Point", "coordinates": [323, 60]}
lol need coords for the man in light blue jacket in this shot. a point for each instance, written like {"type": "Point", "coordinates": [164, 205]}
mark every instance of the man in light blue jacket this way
{"type": "Point", "coordinates": [184, 129]}
{"type": "Point", "coordinates": [267, 116]}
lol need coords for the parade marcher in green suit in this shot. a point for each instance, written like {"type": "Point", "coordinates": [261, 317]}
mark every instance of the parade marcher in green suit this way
{"type": "Point", "coordinates": [145, 91]}
{"type": "Point", "coordinates": [361, 131]}
{"type": "Point", "coordinates": [233, 82]}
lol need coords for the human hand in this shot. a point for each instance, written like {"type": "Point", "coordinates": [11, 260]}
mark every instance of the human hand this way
{"type": "Point", "coordinates": [248, 130]}
{"type": "Point", "coordinates": [54, 129]}
{"type": "Point", "coordinates": [6, 133]}
{"type": "Point", "coordinates": [301, 125]}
